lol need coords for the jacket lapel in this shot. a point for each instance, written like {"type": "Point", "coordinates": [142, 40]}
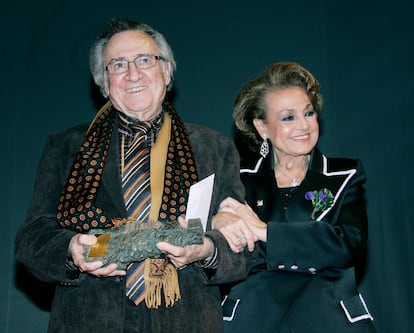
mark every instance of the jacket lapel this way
{"type": "Point", "coordinates": [320, 176]}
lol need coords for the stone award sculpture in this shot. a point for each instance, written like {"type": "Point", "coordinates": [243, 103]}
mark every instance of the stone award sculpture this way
{"type": "Point", "coordinates": [136, 241]}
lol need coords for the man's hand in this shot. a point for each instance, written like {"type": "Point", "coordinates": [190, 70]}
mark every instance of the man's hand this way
{"type": "Point", "coordinates": [76, 248]}
{"type": "Point", "coordinates": [182, 256]}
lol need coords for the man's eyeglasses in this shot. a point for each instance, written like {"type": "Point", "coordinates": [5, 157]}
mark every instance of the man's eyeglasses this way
{"type": "Point", "coordinates": [142, 61]}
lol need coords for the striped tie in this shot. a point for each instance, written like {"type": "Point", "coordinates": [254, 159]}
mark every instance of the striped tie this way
{"type": "Point", "coordinates": [137, 195]}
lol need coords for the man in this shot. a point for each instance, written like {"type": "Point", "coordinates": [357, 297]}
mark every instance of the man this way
{"type": "Point", "coordinates": [133, 65]}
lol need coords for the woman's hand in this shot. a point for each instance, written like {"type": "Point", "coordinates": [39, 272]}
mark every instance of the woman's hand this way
{"type": "Point", "coordinates": [234, 229]}
{"type": "Point", "coordinates": [239, 225]}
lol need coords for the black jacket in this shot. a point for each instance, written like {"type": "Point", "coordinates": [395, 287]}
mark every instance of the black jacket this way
{"type": "Point", "coordinates": [297, 280]}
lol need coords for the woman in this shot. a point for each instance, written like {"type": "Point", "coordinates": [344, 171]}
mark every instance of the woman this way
{"type": "Point", "coordinates": [307, 214]}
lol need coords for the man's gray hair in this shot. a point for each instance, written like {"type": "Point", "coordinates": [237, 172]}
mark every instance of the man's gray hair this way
{"type": "Point", "coordinates": [115, 26]}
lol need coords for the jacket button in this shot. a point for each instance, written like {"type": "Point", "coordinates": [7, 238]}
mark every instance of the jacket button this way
{"type": "Point", "coordinates": [294, 267]}
{"type": "Point", "coordinates": [281, 266]}
{"type": "Point", "coordinates": [312, 270]}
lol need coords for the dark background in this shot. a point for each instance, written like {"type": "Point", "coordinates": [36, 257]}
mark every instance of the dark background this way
{"type": "Point", "coordinates": [361, 52]}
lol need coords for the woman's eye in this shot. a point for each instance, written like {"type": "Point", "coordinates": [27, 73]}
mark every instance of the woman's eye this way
{"type": "Point", "coordinates": [310, 113]}
{"type": "Point", "coordinates": [288, 118]}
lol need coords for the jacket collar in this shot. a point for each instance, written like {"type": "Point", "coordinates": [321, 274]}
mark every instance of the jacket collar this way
{"type": "Point", "coordinates": [320, 175]}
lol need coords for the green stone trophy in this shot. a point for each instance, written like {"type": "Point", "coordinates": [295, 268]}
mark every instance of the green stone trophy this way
{"type": "Point", "coordinates": [136, 241]}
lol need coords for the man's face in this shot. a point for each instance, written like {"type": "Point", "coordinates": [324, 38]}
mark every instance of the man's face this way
{"type": "Point", "coordinates": [138, 93]}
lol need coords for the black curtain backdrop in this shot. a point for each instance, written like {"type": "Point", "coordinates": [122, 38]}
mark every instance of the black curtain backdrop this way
{"type": "Point", "coordinates": [361, 51]}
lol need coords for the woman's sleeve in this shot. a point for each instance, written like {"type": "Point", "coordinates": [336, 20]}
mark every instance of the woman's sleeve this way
{"type": "Point", "coordinates": [313, 246]}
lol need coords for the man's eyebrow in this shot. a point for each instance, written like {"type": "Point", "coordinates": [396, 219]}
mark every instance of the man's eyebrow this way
{"type": "Point", "coordinates": [135, 56]}
{"type": "Point", "coordinates": [116, 59]}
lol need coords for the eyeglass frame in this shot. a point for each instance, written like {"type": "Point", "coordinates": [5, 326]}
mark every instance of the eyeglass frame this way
{"type": "Point", "coordinates": [152, 56]}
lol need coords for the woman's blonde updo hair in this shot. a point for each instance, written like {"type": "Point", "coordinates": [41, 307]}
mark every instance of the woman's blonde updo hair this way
{"type": "Point", "coordinates": [250, 103]}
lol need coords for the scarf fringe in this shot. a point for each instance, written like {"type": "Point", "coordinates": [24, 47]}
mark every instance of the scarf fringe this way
{"type": "Point", "coordinates": [155, 281]}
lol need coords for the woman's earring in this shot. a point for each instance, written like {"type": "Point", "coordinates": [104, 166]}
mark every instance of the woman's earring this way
{"type": "Point", "coordinates": [264, 148]}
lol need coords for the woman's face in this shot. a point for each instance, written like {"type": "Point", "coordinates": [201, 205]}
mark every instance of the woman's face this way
{"type": "Point", "coordinates": [139, 93]}
{"type": "Point", "coordinates": [291, 125]}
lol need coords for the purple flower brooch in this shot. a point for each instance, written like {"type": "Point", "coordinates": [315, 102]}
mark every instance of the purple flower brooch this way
{"type": "Point", "coordinates": [321, 200]}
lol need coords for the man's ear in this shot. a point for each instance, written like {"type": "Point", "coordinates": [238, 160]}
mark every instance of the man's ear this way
{"type": "Point", "coordinates": [105, 81]}
{"type": "Point", "coordinates": [167, 72]}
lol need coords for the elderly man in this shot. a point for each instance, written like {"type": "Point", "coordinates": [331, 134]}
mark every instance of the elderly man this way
{"type": "Point", "coordinates": [135, 161]}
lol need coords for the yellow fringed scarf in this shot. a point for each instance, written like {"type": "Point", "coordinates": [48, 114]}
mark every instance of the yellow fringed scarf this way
{"type": "Point", "coordinates": [173, 171]}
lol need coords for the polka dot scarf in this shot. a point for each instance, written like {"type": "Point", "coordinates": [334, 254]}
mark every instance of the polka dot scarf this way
{"type": "Point", "coordinates": [76, 208]}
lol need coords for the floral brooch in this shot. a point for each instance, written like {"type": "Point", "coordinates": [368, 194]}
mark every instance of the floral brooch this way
{"type": "Point", "coordinates": [321, 200]}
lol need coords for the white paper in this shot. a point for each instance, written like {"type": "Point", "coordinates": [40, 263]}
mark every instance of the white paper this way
{"type": "Point", "coordinates": [199, 200]}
